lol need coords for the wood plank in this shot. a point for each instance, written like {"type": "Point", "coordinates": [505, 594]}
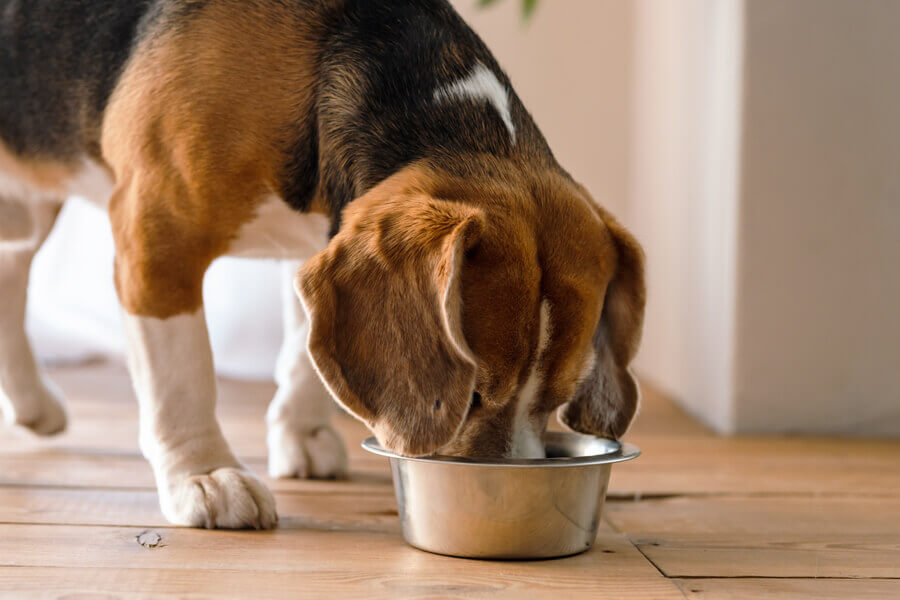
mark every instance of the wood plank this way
{"type": "Point", "coordinates": [72, 468]}
{"type": "Point", "coordinates": [316, 532]}
{"type": "Point", "coordinates": [107, 382]}
{"type": "Point", "coordinates": [104, 417]}
{"type": "Point", "coordinates": [42, 583]}
{"type": "Point", "coordinates": [788, 555]}
{"type": "Point", "coordinates": [679, 456]}
{"type": "Point", "coordinates": [764, 536]}
{"type": "Point", "coordinates": [140, 508]}
{"type": "Point", "coordinates": [760, 464]}
{"type": "Point", "coordinates": [353, 562]}
{"type": "Point", "coordinates": [761, 515]}
{"type": "Point", "coordinates": [659, 416]}
{"type": "Point", "coordinates": [107, 428]}
{"type": "Point", "coordinates": [115, 430]}
{"type": "Point", "coordinates": [837, 514]}
{"type": "Point", "coordinates": [798, 589]}
{"type": "Point", "coordinates": [667, 466]}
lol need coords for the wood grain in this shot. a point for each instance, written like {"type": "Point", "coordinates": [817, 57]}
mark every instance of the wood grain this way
{"type": "Point", "coordinates": [754, 465]}
{"type": "Point", "coordinates": [797, 589]}
{"type": "Point", "coordinates": [85, 506]}
{"type": "Point", "coordinates": [39, 583]}
{"type": "Point", "coordinates": [764, 536]}
{"type": "Point", "coordinates": [696, 516]}
{"type": "Point", "coordinates": [72, 468]}
{"type": "Point", "coordinates": [325, 558]}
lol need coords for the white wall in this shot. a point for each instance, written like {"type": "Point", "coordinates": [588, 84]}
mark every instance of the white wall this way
{"type": "Point", "coordinates": [572, 65]}
{"type": "Point", "coordinates": [684, 196]}
{"type": "Point", "coordinates": [767, 194]}
{"type": "Point", "coordinates": [819, 279]}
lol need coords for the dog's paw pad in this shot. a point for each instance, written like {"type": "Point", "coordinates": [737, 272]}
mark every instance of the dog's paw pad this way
{"type": "Point", "coordinates": [226, 498]}
{"type": "Point", "coordinates": [316, 453]}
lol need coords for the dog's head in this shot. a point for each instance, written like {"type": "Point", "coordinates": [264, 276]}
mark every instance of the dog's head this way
{"type": "Point", "coordinates": [455, 315]}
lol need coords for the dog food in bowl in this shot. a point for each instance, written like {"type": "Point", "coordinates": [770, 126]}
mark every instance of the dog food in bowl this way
{"type": "Point", "coordinates": [506, 509]}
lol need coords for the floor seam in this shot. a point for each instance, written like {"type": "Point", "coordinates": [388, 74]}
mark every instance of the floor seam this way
{"type": "Point", "coordinates": [826, 578]}
{"type": "Point", "coordinates": [647, 558]}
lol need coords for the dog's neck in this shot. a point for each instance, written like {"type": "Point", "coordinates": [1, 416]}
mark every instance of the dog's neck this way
{"type": "Point", "coordinates": [400, 84]}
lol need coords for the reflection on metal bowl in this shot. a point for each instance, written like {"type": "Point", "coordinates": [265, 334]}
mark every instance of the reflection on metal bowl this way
{"type": "Point", "coordinates": [506, 509]}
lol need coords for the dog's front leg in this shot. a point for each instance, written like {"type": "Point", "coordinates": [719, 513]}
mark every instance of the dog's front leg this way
{"type": "Point", "coordinates": [200, 482]}
{"type": "Point", "coordinates": [301, 440]}
{"type": "Point", "coordinates": [159, 275]}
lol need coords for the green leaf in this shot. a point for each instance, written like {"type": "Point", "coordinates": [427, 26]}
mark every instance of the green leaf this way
{"type": "Point", "coordinates": [528, 7]}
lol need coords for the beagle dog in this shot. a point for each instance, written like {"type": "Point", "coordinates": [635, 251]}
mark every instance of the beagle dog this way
{"type": "Point", "coordinates": [456, 288]}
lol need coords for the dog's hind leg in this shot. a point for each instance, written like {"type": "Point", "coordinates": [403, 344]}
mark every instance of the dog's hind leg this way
{"type": "Point", "coordinates": [301, 440]}
{"type": "Point", "coordinates": [27, 398]}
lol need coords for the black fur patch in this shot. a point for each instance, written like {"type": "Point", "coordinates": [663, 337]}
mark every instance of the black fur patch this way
{"type": "Point", "coordinates": [59, 62]}
{"type": "Point", "coordinates": [377, 110]}
{"type": "Point", "coordinates": [379, 64]}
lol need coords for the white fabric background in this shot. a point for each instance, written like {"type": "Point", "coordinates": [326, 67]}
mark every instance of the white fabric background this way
{"type": "Point", "coordinates": [73, 313]}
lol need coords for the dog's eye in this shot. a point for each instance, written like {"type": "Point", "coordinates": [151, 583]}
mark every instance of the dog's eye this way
{"type": "Point", "coordinates": [476, 400]}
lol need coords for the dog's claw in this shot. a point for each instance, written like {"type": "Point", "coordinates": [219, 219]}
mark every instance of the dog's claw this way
{"type": "Point", "coordinates": [227, 498]}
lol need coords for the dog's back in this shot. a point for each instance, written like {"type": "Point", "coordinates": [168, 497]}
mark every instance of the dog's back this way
{"type": "Point", "coordinates": [59, 63]}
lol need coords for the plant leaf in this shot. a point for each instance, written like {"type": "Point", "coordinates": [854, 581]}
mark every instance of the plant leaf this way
{"type": "Point", "coordinates": [528, 7]}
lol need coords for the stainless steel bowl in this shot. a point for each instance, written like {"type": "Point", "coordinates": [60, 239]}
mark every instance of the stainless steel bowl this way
{"type": "Point", "coordinates": [511, 509]}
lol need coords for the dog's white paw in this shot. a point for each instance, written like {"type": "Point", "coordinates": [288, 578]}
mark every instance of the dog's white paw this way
{"type": "Point", "coordinates": [41, 412]}
{"type": "Point", "coordinates": [316, 453]}
{"type": "Point", "coordinates": [226, 498]}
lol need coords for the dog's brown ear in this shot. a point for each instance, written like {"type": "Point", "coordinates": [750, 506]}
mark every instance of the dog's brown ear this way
{"type": "Point", "coordinates": [384, 306]}
{"type": "Point", "coordinates": [607, 399]}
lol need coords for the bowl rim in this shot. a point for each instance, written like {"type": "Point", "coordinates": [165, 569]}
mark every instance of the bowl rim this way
{"type": "Point", "coordinates": [620, 452]}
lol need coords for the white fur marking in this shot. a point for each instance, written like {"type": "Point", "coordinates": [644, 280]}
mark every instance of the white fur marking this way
{"type": "Point", "coordinates": [590, 359]}
{"type": "Point", "coordinates": [526, 441]}
{"type": "Point", "coordinates": [92, 183]}
{"type": "Point", "coordinates": [200, 482]}
{"type": "Point", "coordinates": [278, 231]}
{"type": "Point", "coordinates": [450, 306]}
{"type": "Point", "coordinates": [172, 372]}
{"type": "Point", "coordinates": [15, 188]}
{"type": "Point", "coordinates": [301, 441]}
{"type": "Point", "coordinates": [26, 397]}
{"type": "Point", "coordinates": [481, 85]}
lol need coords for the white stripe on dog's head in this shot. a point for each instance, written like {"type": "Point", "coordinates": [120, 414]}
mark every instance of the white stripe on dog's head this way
{"type": "Point", "coordinates": [526, 438]}
{"type": "Point", "coordinates": [481, 84]}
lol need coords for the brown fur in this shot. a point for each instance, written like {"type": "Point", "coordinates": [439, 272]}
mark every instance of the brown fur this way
{"type": "Point", "coordinates": [607, 400]}
{"type": "Point", "coordinates": [433, 286]}
{"type": "Point", "coordinates": [384, 300]}
{"type": "Point", "coordinates": [195, 135]}
{"type": "Point", "coordinates": [539, 237]}
{"type": "Point", "coordinates": [16, 223]}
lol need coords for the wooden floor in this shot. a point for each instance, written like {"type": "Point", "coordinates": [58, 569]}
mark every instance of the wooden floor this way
{"type": "Point", "coordinates": [697, 516]}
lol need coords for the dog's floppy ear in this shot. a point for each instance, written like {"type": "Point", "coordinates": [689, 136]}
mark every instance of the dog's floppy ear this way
{"type": "Point", "coordinates": [607, 399]}
{"type": "Point", "coordinates": [384, 305]}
